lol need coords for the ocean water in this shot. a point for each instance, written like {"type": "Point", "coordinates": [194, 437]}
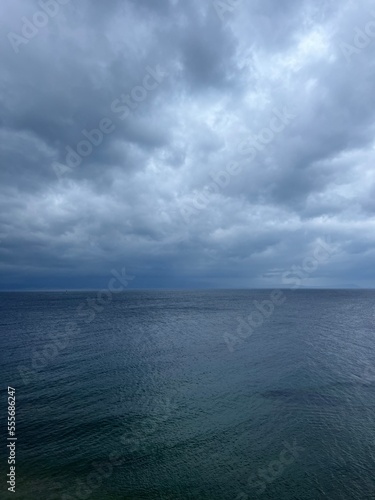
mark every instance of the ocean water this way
{"type": "Point", "coordinates": [174, 395]}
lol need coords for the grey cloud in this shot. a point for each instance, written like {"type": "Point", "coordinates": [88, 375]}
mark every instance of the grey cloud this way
{"type": "Point", "coordinates": [124, 203]}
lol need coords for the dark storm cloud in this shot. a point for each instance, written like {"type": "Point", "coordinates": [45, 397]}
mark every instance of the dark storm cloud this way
{"type": "Point", "coordinates": [285, 89]}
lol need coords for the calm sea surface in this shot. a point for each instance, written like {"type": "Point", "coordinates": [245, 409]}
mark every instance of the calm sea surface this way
{"type": "Point", "coordinates": [154, 395]}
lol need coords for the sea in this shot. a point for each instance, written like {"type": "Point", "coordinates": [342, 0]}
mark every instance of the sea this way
{"type": "Point", "coordinates": [179, 395]}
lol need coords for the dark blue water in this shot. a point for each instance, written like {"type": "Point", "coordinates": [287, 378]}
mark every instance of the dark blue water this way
{"type": "Point", "coordinates": [155, 395]}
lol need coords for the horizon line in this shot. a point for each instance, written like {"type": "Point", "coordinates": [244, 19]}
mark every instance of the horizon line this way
{"type": "Point", "coordinates": [76, 290]}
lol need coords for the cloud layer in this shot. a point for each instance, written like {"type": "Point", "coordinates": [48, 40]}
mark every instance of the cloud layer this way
{"type": "Point", "coordinates": [197, 144]}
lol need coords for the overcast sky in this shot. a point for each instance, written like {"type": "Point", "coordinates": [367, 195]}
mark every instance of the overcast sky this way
{"type": "Point", "coordinates": [231, 141]}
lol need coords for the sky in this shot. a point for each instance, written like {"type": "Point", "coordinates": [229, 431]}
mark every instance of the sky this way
{"type": "Point", "coordinates": [196, 144]}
